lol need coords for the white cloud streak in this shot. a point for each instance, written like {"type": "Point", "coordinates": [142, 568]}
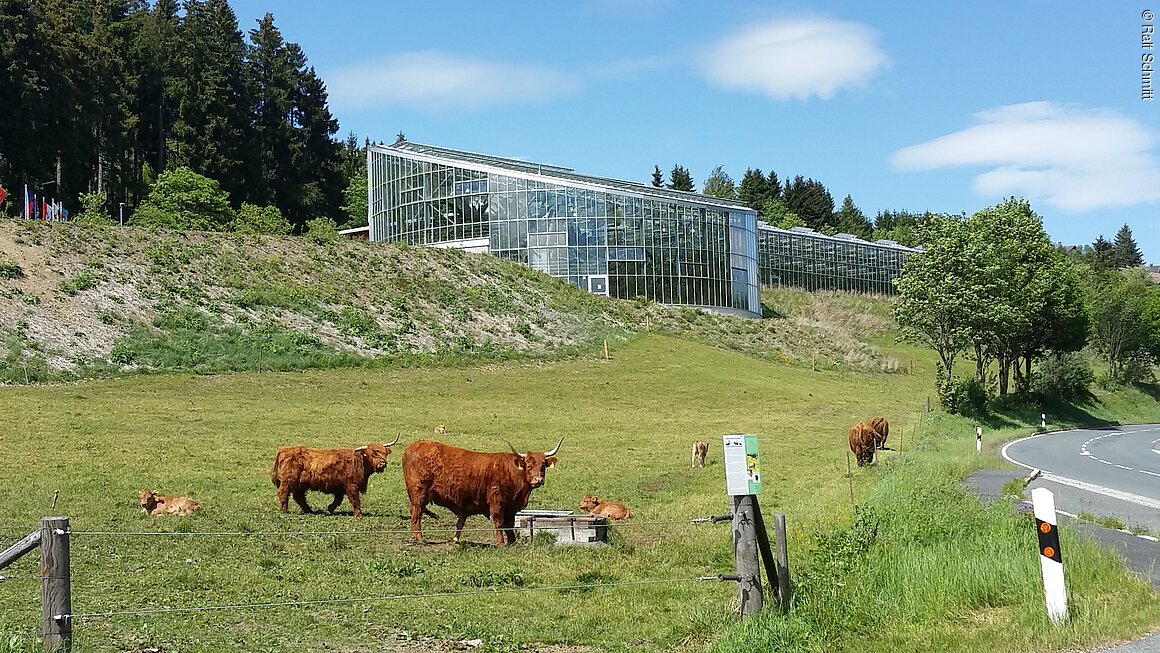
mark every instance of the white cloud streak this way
{"type": "Point", "coordinates": [438, 81]}
{"type": "Point", "coordinates": [795, 59]}
{"type": "Point", "coordinates": [1073, 159]}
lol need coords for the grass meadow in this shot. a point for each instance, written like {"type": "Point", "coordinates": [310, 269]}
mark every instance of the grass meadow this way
{"type": "Point", "coordinates": [919, 566]}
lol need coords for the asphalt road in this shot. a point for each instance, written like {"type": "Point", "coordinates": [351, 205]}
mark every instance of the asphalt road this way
{"type": "Point", "coordinates": [1109, 472]}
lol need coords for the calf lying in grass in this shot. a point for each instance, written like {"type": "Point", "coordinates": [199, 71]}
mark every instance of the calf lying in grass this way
{"type": "Point", "coordinates": [608, 509]}
{"type": "Point", "coordinates": [158, 505]}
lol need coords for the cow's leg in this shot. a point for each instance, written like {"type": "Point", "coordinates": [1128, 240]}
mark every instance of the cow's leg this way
{"type": "Point", "coordinates": [334, 504]}
{"type": "Point", "coordinates": [509, 525]}
{"type": "Point", "coordinates": [355, 502]}
{"type": "Point", "coordinates": [418, 496]}
{"type": "Point", "coordinates": [497, 519]}
{"type": "Point", "coordinates": [300, 499]}
{"type": "Point", "coordinates": [284, 497]}
{"type": "Point", "coordinates": [459, 527]}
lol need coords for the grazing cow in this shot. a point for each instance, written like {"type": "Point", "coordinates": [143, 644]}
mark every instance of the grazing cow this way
{"type": "Point", "coordinates": [862, 443]}
{"type": "Point", "coordinates": [496, 485]}
{"type": "Point", "coordinates": [609, 509]}
{"type": "Point", "coordinates": [333, 471]}
{"type": "Point", "coordinates": [154, 504]}
{"type": "Point", "coordinates": [440, 429]}
{"type": "Point", "coordinates": [700, 450]}
{"type": "Point", "coordinates": [881, 429]}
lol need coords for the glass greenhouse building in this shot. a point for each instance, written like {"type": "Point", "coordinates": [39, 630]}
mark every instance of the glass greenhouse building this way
{"type": "Point", "coordinates": [608, 236]}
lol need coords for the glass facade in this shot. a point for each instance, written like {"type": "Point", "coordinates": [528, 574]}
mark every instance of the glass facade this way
{"type": "Point", "coordinates": [803, 258]}
{"type": "Point", "coordinates": [605, 236]}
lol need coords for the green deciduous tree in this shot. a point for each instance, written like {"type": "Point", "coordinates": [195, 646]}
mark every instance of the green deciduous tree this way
{"type": "Point", "coordinates": [183, 199]}
{"type": "Point", "coordinates": [1123, 330]}
{"type": "Point", "coordinates": [354, 203]}
{"type": "Point", "coordinates": [720, 184]}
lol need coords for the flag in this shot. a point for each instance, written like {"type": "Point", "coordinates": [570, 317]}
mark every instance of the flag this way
{"type": "Point", "coordinates": [3, 195]}
{"type": "Point", "coordinates": [27, 204]}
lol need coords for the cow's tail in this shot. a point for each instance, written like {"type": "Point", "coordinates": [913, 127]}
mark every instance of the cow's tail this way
{"type": "Point", "coordinates": [274, 474]}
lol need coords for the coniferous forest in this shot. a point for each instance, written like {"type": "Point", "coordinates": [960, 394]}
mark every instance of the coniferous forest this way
{"type": "Point", "coordinates": [100, 97]}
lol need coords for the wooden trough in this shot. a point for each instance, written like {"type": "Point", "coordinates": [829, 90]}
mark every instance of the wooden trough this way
{"type": "Point", "coordinates": [564, 524]}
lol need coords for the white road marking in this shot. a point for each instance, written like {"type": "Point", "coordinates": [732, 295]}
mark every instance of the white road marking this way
{"type": "Point", "coordinates": [1147, 502]}
{"type": "Point", "coordinates": [1144, 471]}
{"type": "Point", "coordinates": [1124, 467]}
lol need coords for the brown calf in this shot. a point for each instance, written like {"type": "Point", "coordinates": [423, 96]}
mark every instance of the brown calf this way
{"type": "Point", "coordinates": [609, 509]}
{"type": "Point", "coordinates": [700, 450]}
{"type": "Point", "coordinates": [496, 485]}
{"type": "Point", "coordinates": [154, 504]}
{"type": "Point", "coordinates": [333, 471]}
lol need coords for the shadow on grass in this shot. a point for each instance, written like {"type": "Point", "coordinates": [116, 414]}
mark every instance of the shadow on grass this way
{"type": "Point", "coordinates": [1025, 410]}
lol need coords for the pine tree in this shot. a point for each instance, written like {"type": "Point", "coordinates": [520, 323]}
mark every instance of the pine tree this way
{"type": "Point", "coordinates": [1125, 253]}
{"type": "Point", "coordinates": [680, 179]}
{"type": "Point", "coordinates": [658, 178]}
{"type": "Point", "coordinates": [850, 220]}
{"type": "Point", "coordinates": [773, 186]}
{"type": "Point", "coordinates": [810, 200]}
{"type": "Point", "coordinates": [1102, 254]}
{"type": "Point", "coordinates": [754, 190]}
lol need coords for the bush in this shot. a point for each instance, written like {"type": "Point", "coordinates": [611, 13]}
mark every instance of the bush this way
{"type": "Point", "coordinates": [961, 396]}
{"type": "Point", "coordinates": [1065, 376]}
{"type": "Point", "coordinates": [93, 210]}
{"type": "Point", "coordinates": [183, 199]}
{"type": "Point", "coordinates": [322, 230]}
{"type": "Point", "coordinates": [10, 270]}
{"type": "Point", "coordinates": [253, 219]}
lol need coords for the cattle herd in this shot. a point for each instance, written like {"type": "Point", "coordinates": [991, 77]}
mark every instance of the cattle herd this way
{"type": "Point", "coordinates": [867, 438]}
{"type": "Point", "coordinates": [496, 485]}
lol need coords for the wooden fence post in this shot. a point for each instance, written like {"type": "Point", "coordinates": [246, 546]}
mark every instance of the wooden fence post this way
{"type": "Point", "coordinates": [782, 561]}
{"type": "Point", "coordinates": [55, 585]}
{"type": "Point", "coordinates": [745, 554]}
{"type": "Point", "coordinates": [767, 559]}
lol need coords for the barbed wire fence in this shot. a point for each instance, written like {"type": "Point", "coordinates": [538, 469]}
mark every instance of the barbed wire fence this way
{"type": "Point", "coordinates": [54, 536]}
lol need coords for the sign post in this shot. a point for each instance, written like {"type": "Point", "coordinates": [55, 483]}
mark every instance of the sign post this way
{"type": "Point", "coordinates": [1050, 558]}
{"type": "Point", "coordinates": [742, 483]}
{"type": "Point", "coordinates": [978, 438]}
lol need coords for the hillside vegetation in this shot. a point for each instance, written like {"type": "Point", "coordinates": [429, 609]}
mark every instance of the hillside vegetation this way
{"type": "Point", "coordinates": [80, 301]}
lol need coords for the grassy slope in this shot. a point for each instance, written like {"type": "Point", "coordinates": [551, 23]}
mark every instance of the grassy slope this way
{"type": "Point", "coordinates": [628, 423]}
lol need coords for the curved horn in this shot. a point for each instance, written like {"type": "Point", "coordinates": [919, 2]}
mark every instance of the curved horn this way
{"type": "Point", "coordinates": [514, 450]}
{"type": "Point", "coordinates": [556, 448]}
{"type": "Point", "coordinates": [392, 442]}
{"type": "Point", "coordinates": [360, 448]}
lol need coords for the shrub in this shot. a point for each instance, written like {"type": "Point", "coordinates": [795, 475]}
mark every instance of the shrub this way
{"type": "Point", "coordinates": [93, 210]}
{"type": "Point", "coordinates": [10, 270]}
{"type": "Point", "coordinates": [961, 396]}
{"type": "Point", "coordinates": [322, 230]}
{"type": "Point", "coordinates": [253, 219]}
{"type": "Point", "coordinates": [1065, 376]}
{"type": "Point", "coordinates": [183, 199]}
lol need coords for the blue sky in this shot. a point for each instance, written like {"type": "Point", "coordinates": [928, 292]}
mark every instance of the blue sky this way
{"type": "Point", "coordinates": [916, 106]}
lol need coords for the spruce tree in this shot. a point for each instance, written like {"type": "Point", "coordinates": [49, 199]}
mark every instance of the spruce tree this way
{"type": "Point", "coordinates": [658, 178]}
{"type": "Point", "coordinates": [1125, 253]}
{"type": "Point", "coordinates": [850, 220]}
{"type": "Point", "coordinates": [754, 190]}
{"type": "Point", "coordinates": [680, 179]}
{"type": "Point", "coordinates": [810, 200]}
{"type": "Point", "coordinates": [1102, 254]}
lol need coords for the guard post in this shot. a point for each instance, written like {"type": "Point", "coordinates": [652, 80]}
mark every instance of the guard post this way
{"type": "Point", "coordinates": [1050, 557]}
{"type": "Point", "coordinates": [978, 438]}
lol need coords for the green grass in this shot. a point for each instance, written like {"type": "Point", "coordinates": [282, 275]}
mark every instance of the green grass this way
{"type": "Point", "coordinates": [923, 579]}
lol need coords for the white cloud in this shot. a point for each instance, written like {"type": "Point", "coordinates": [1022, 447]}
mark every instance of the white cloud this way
{"type": "Point", "coordinates": [795, 58]}
{"type": "Point", "coordinates": [439, 81]}
{"type": "Point", "coordinates": [1074, 159]}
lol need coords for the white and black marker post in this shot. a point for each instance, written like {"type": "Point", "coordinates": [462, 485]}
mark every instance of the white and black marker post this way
{"type": "Point", "coordinates": [1042, 420]}
{"type": "Point", "coordinates": [978, 438]}
{"type": "Point", "coordinates": [1050, 559]}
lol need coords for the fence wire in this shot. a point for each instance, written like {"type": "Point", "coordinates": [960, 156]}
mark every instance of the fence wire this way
{"type": "Point", "coordinates": [377, 531]}
{"type": "Point", "coordinates": [380, 599]}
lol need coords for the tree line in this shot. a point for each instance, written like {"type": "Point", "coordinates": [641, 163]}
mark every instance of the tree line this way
{"type": "Point", "coordinates": [799, 202]}
{"type": "Point", "coordinates": [101, 97]}
{"type": "Point", "coordinates": [992, 288]}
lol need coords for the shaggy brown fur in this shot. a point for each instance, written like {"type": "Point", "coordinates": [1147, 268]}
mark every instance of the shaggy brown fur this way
{"type": "Point", "coordinates": [862, 443]}
{"type": "Point", "coordinates": [609, 509]}
{"type": "Point", "coordinates": [334, 471]}
{"type": "Point", "coordinates": [700, 450]}
{"type": "Point", "coordinates": [466, 482]}
{"type": "Point", "coordinates": [159, 505]}
{"type": "Point", "coordinates": [881, 429]}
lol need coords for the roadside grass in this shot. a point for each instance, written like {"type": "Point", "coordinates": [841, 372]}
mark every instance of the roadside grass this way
{"type": "Point", "coordinates": [627, 424]}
